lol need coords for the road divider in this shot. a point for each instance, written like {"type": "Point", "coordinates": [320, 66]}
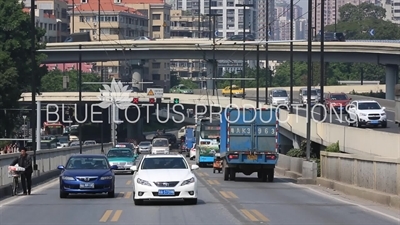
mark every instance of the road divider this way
{"type": "Point", "coordinates": [114, 215]}
{"type": "Point", "coordinates": [254, 215]}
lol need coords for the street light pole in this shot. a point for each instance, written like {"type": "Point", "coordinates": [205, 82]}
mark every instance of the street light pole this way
{"type": "Point", "coordinates": [243, 83]}
{"type": "Point", "coordinates": [291, 56]}
{"type": "Point", "coordinates": [309, 67]}
{"type": "Point", "coordinates": [322, 59]}
{"type": "Point", "coordinates": [258, 78]}
{"type": "Point", "coordinates": [33, 82]}
{"type": "Point", "coordinates": [80, 97]}
{"type": "Point", "coordinates": [209, 19]}
{"type": "Point", "coordinates": [199, 19]}
{"type": "Point", "coordinates": [335, 14]}
{"type": "Point", "coordinates": [266, 50]}
{"type": "Point", "coordinates": [102, 80]}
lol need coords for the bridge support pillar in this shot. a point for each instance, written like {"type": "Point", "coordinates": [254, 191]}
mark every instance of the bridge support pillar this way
{"type": "Point", "coordinates": [210, 72]}
{"type": "Point", "coordinates": [296, 141]}
{"type": "Point", "coordinates": [134, 130]}
{"type": "Point", "coordinates": [392, 72]}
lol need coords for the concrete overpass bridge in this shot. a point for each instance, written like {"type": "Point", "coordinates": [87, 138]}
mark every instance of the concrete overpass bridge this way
{"type": "Point", "coordinates": [293, 126]}
{"type": "Point", "coordinates": [124, 50]}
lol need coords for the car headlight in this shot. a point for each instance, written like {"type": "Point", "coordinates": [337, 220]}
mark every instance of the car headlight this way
{"type": "Point", "coordinates": [143, 182]}
{"type": "Point", "coordinates": [188, 181]}
{"type": "Point", "coordinates": [383, 114]}
{"type": "Point", "coordinates": [106, 178]}
{"type": "Point", "coordinates": [67, 178]}
{"type": "Point", "coordinates": [363, 114]}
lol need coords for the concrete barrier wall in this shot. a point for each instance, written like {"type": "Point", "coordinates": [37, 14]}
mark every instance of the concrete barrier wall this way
{"type": "Point", "coordinates": [352, 140]}
{"type": "Point", "coordinates": [47, 160]}
{"type": "Point", "coordinates": [373, 178]}
{"type": "Point", "coordinates": [304, 172]}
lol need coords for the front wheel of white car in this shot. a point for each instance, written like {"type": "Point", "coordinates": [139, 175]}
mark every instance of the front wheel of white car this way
{"type": "Point", "coordinates": [191, 201]}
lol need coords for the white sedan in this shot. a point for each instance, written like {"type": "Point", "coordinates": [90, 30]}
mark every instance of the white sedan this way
{"type": "Point", "coordinates": [164, 177]}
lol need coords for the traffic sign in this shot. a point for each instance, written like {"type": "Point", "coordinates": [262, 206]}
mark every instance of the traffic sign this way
{"type": "Point", "coordinates": [135, 101]}
{"type": "Point", "coordinates": [216, 33]}
{"type": "Point", "coordinates": [155, 92]}
{"type": "Point", "coordinates": [269, 33]}
{"type": "Point", "coordinates": [176, 100]}
{"type": "Point", "coordinates": [372, 32]}
{"type": "Point", "coordinates": [152, 100]}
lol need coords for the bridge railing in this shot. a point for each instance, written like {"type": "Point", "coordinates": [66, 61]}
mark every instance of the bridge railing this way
{"type": "Point", "coordinates": [373, 178]}
{"type": "Point", "coordinates": [47, 160]}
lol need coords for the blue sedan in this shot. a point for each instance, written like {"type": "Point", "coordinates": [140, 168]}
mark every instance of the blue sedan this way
{"type": "Point", "coordinates": [87, 174]}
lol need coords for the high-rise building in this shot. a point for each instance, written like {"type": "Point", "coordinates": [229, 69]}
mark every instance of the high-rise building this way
{"type": "Point", "coordinates": [262, 26]}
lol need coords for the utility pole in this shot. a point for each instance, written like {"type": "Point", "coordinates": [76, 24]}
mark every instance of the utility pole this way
{"type": "Point", "coordinates": [309, 67]}
{"type": "Point", "coordinates": [214, 16]}
{"type": "Point", "coordinates": [33, 82]}
{"type": "Point", "coordinates": [73, 18]}
{"type": "Point", "coordinates": [243, 83]}
{"type": "Point", "coordinates": [335, 14]}
{"type": "Point", "coordinates": [101, 79]}
{"type": "Point", "coordinates": [322, 59]}
{"type": "Point", "coordinates": [266, 50]}
{"type": "Point", "coordinates": [258, 78]}
{"type": "Point", "coordinates": [209, 20]}
{"type": "Point", "coordinates": [291, 55]}
{"type": "Point", "coordinates": [199, 18]}
{"type": "Point", "coordinates": [80, 97]}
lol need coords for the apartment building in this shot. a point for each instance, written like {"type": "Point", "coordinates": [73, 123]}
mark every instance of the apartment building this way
{"type": "Point", "coordinates": [57, 10]}
{"type": "Point", "coordinates": [261, 14]}
{"type": "Point", "coordinates": [184, 24]}
{"type": "Point", "coordinates": [117, 22]}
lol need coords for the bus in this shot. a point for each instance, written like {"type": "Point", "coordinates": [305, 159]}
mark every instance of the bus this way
{"type": "Point", "coordinates": [207, 140]}
{"type": "Point", "coordinates": [53, 129]}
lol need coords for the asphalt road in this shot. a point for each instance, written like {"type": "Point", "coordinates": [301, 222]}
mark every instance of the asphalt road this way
{"type": "Point", "coordinates": [242, 202]}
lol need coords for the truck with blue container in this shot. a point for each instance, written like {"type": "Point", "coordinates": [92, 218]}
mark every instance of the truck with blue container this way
{"type": "Point", "coordinates": [249, 142]}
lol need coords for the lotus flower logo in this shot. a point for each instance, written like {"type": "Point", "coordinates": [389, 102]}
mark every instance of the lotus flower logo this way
{"type": "Point", "coordinates": [115, 95]}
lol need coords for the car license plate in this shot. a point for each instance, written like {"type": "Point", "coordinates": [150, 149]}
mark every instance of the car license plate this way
{"type": "Point", "coordinates": [374, 121]}
{"type": "Point", "coordinates": [251, 157]}
{"type": "Point", "coordinates": [120, 167]}
{"type": "Point", "coordinates": [166, 192]}
{"type": "Point", "coordinates": [87, 185]}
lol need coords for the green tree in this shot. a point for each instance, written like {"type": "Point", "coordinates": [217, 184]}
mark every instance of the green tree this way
{"type": "Point", "coordinates": [357, 21]}
{"type": "Point", "coordinates": [188, 83]}
{"type": "Point", "coordinates": [15, 60]}
{"type": "Point", "coordinates": [53, 81]}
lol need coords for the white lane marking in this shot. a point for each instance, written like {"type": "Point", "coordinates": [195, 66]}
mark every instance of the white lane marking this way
{"type": "Point", "coordinates": [347, 202]}
{"type": "Point", "coordinates": [36, 189]}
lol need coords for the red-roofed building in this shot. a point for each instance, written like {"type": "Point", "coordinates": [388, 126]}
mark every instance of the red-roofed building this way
{"type": "Point", "coordinates": [86, 67]}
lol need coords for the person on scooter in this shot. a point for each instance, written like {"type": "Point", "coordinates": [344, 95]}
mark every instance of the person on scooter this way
{"type": "Point", "coordinates": [25, 160]}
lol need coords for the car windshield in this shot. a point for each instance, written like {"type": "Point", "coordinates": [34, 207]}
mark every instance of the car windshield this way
{"type": "Point", "coordinates": [144, 143]}
{"type": "Point", "coordinates": [114, 153]}
{"type": "Point", "coordinates": [160, 143]}
{"type": "Point", "coordinates": [338, 97]}
{"type": "Point", "coordinates": [183, 87]}
{"type": "Point", "coordinates": [279, 94]}
{"type": "Point", "coordinates": [87, 163]}
{"type": "Point", "coordinates": [368, 105]}
{"type": "Point", "coordinates": [164, 163]}
{"type": "Point", "coordinates": [63, 140]}
{"type": "Point", "coordinates": [313, 92]}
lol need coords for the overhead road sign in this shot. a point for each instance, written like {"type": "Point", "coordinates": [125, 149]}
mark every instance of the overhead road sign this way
{"type": "Point", "coordinates": [155, 92]}
{"type": "Point", "coordinates": [372, 32]}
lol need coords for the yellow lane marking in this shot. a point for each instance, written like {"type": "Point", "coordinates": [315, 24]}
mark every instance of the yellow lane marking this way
{"type": "Point", "coordinates": [260, 215]}
{"type": "Point", "coordinates": [249, 215]}
{"type": "Point", "coordinates": [129, 182]}
{"type": "Point", "coordinates": [116, 216]}
{"type": "Point", "coordinates": [224, 194]}
{"type": "Point", "coordinates": [105, 216]}
{"type": "Point", "coordinates": [201, 174]}
{"type": "Point", "coordinates": [254, 215]}
{"type": "Point", "coordinates": [228, 194]}
{"type": "Point", "coordinates": [128, 195]}
{"type": "Point", "coordinates": [213, 182]}
{"type": "Point", "coordinates": [206, 174]}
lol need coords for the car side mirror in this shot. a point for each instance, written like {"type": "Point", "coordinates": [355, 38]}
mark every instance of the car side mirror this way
{"type": "Point", "coordinates": [383, 108]}
{"type": "Point", "coordinates": [60, 167]}
{"type": "Point", "coordinates": [114, 167]}
{"type": "Point", "coordinates": [195, 167]}
{"type": "Point", "coordinates": [350, 98]}
{"type": "Point", "coordinates": [133, 168]}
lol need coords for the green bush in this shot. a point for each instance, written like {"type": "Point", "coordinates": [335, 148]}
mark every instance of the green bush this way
{"type": "Point", "coordinates": [333, 147]}
{"type": "Point", "coordinates": [379, 94]}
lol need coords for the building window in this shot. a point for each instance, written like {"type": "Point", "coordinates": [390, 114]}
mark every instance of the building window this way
{"type": "Point", "coordinates": [81, 19]}
{"type": "Point", "coordinates": [156, 76]}
{"type": "Point", "coordinates": [83, 1]}
{"type": "Point", "coordinates": [156, 28]}
{"type": "Point", "coordinates": [156, 65]}
{"type": "Point", "coordinates": [156, 16]}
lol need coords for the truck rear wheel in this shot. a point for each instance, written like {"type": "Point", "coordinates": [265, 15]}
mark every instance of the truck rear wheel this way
{"type": "Point", "coordinates": [226, 173]}
{"type": "Point", "coordinates": [271, 175]}
{"type": "Point", "coordinates": [263, 175]}
{"type": "Point", "coordinates": [232, 174]}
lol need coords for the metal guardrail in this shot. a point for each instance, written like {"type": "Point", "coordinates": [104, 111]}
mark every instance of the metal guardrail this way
{"type": "Point", "coordinates": [381, 41]}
